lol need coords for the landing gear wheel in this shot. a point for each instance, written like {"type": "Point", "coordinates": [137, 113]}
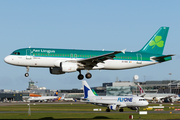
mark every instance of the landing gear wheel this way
{"type": "Point", "coordinates": [26, 74]}
{"type": "Point", "coordinates": [80, 76]}
{"type": "Point", "coordinates": [27, 69]}
{"type": "Point", "coordinates": [137, 109]}
{"type": "Point", "coordinates": [121, 110]}
{"type": "Point", "coordinates": [107, 110]}
{"type": "Point", "coordinates": [88, 75]}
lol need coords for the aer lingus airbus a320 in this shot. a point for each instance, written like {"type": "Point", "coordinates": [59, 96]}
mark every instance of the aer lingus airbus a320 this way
{"type": "Point", "coordinates": [60, 61]}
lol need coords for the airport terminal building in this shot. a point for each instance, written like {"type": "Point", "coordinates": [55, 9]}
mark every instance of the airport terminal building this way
{"type": "Point", "coordinates": [117, 88]}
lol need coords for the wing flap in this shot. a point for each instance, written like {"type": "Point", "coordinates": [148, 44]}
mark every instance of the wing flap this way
{"type": "Point", "coordinates": [91, 62]}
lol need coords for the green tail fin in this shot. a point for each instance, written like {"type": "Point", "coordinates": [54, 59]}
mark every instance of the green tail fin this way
{"type": "Point", "coordinates": [157, 42]}
{"type": "Point", "coordinates": [94, 92]}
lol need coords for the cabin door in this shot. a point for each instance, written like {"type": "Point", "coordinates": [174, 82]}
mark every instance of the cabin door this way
{"type": "Point", "coordinates": [28, 54]}
{"type": "Point", "coordinates": [139, 58]}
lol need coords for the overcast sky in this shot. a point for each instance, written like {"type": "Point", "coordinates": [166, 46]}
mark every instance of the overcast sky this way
{"type": "Point", "coordinates": [86, 24]}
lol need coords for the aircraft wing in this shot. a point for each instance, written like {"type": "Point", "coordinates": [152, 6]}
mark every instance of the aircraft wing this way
{"type": "Point", "coordinates": [91, 62]}
{"type": "Point", "coordinates": [167, 96]}
{"type": "Point", "coordinates": [142, 95]}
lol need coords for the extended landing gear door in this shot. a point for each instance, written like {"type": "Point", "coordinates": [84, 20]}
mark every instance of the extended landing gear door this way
{"type": "Point", "coordinates": [28, 54]}
{"type": "Point", "coordinates": [139, 58]}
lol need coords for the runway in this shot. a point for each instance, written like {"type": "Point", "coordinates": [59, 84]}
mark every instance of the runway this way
{"type": "Point", "coordinates": [132, 112]}
{"type": "Point", "coordinates": [129, 112]}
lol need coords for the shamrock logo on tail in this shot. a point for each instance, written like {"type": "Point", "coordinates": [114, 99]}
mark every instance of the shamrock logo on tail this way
{"type": "Point", "coordinates": [158, 41]}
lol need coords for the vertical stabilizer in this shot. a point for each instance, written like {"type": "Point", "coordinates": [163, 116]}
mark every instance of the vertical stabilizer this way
{"type": "Point", "coordinates": [56, 93]}
{"type": "Point", "coordinates": [157, 42]}
{"type": "Point", "coordinates": [142, 92]}
{"type": "Point", "coordinates": [87, 90]}
{"type": "Point", "coordinates": [62, 98]}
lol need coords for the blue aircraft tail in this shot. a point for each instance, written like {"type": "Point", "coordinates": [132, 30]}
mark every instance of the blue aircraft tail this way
{"type": "Point", "coordinates": [56, 93]}
{"type": "Point", "coordinates": [87, 90]}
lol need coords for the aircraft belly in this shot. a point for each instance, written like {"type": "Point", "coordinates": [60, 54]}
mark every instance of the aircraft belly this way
{"type": "Point", "coordinates": [120, 64]}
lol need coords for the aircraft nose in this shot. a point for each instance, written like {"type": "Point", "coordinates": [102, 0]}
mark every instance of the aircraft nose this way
{"type": "Point", "coordinates": [7, 59]}
{"type": "Point", "coordinates": [147, 103]}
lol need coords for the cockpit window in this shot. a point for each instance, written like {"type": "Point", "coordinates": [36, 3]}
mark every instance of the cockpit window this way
{"type": "Point", "coordinates": [16, 53]}
{"type": "Point", "coordinates": [142, 99]}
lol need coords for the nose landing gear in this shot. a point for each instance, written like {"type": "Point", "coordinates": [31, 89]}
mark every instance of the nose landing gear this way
{"type": "Point", "coordinates": [27, 74]}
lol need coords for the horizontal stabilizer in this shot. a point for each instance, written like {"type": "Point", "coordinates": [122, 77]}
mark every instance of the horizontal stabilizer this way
{"type": "Point", "coordinates": [161, 57]}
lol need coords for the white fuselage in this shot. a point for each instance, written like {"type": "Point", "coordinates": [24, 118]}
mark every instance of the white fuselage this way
{"type": "Point", "coordinates": [158, 96]}
{"type": "Point", "coordinates": [121, 101]}
{"type": "Point", "coordinates": [54, 62]}
{"type": "Point", "coordinates": [42, 98]}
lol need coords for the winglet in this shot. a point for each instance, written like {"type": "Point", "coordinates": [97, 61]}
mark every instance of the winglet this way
{"type": "Point", "coordinates": [123, 51]}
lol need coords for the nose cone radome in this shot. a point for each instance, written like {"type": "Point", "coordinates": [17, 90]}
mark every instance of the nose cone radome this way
{"type": "Point", "coordinates": [7, 59]}
{"type": "Point", "coordinates": [147, 103]}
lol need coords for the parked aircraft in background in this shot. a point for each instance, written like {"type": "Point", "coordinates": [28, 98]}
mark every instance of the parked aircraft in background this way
{"type": "Point", "coordinates": [46, 98]}
{"type": "Point", "coordinates": [61, 61]}
{"type": "Point", "coordinates": [68, 99]}
{"type": "Point", "coordinates": [159, 97]}
{"type": "Point", "coordinates": [113, 102]}
{"type": "Point", "coordinates": [176, 98]}
{"type": "Point", "coordinates": [34, 95]}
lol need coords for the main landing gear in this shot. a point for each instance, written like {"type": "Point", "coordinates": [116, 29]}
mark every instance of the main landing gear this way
{"type": "Point", "coordinates": [107, 110]}
{"type": "Point", "coordinates": [27, 69]}
{"type": "Point", "coordinates": [80, 76]}
{"type": "Point", "coordinates": [121, 110]}
{"type": "Point", "coordinates": [137, 109]}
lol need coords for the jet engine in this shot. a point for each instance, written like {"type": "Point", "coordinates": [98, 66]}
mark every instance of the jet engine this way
{"type": "Point", "coordinates": [133, 108]}
{"type": "Point", "coordinates": [55, 70]}
{"type": "Point", "coordinates": [68, 67]}
{"type": "Point", "coordinates": [113, 107]}
{"type": "Point", "coordinates": [64, 67]}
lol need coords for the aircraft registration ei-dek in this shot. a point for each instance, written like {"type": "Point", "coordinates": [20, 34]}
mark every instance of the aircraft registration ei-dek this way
{"type": "Point", "coordinates": [113, 102]}
{"type": "Point", "coordinates": [60, 61]}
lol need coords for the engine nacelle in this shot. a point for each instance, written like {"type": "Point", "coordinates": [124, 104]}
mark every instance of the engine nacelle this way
{"type": "Point", "coordinates": [155, 99]}
{"type": "Point", "coordinates": [68, 67]}
{"type": "Point", "coordinates": [56, 70]}
{"type": "Point", "coordinates": [113, 107]}
{"type": "Point", "coordinates": [133, 108]}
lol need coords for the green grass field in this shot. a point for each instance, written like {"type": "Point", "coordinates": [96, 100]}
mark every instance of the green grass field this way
{"type": "Point", "coordinates": [65, 111]}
